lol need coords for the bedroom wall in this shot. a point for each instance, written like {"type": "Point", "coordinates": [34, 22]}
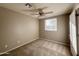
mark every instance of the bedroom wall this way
{"type": "Point", "coordinates": [62, 33]}
{"type": "Point", "coordinates": [16, 29]}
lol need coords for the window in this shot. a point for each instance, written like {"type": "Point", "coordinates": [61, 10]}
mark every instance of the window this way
{"type": "Point", "coordinates": [51, 24]}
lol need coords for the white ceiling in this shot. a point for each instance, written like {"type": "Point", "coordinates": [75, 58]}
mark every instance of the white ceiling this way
{"type": "Point", "coordinates": [57, 8]}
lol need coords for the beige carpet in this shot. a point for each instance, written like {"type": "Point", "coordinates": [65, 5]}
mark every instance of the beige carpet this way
{"type": "Point", "coordinates": [41, 48]}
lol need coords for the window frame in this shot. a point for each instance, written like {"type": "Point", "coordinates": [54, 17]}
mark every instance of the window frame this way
{"type": "Point", "coordinates": [49, 24]}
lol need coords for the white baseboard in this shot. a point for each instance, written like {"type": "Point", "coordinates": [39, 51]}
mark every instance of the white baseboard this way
{"type": "Point", "coordinates": [63, 43]}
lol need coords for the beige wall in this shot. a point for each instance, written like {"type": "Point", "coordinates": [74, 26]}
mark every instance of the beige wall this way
{"type": "Point", "coordinates": [16, 29]}
{"type": "Point", "coordinates": [61, 35]}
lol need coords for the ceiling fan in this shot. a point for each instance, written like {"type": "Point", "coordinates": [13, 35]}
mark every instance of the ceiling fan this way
{"type": "Point", "coordinates": [41, 12]}
{"type": "Point", "coordinates": [38, 11]}
{"type": "Point", "coordinates": [28, 5]}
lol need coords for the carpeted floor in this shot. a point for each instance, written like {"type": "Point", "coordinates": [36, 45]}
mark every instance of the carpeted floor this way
{"type": "Point", "coordinates": [41, 48]}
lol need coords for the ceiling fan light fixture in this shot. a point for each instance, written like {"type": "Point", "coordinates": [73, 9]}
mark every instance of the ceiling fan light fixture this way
{"type": "Point", "coordinates": [28, 5]}
{"type": "Point", "coordinates": [40, 13]}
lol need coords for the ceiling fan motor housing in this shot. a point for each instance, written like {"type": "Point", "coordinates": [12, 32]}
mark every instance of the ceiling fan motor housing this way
{"type": "Point", "coordinates": [28, 5]}
{"type": "Point", "coordinates": [41, 12]}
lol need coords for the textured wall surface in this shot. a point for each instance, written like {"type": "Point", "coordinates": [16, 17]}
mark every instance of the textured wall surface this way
{"type": "Point", "coordinates": [16, 29]}
{"type": "Point", "coordinates": [61, 35]}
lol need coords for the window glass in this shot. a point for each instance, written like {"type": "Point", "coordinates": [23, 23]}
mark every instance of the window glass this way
{"type": "Point", "coordinates": [51, 24]}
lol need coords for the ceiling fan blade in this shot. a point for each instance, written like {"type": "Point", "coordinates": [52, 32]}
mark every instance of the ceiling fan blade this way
{"type": "Point", "coordinates": [49, 12]}
{"type": "Point", "coordinates": [34, 14]}
{"type": "Point", "coordinates": [43, 8]}
{"type": "Point", "coordinates": [35, 9]}
{"type": "Point", "coordinates": [31, 10]}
